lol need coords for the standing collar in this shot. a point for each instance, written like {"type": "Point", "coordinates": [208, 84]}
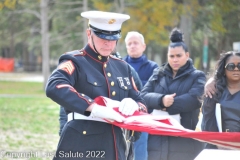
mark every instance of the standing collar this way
{"type": "Point", "coordinates": [142, 59]}
{"type": "Point", "coordinates": [95, 55]}
{"type": "Point", "coordinates": [135, 60]}
{"type": "Point", "coordinates": [188, 67]}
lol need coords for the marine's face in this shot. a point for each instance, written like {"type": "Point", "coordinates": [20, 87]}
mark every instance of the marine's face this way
{"type": "Point", "coordinates": [135, 47]}
{"type": "Point", "coordinates": [231, 70]}
{"type": "Point", "coordinates": [104, 47]}
{"type": "Point", "coordinates": [177, 57]}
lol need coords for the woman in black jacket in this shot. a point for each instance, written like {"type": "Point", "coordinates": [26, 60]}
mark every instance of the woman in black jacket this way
{"type": "Point", "coordinates": [175, 89]}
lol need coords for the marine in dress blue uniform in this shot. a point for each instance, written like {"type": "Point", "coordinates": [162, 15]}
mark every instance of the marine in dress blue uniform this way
{"type": "Point", "coordinates": [83, 75]}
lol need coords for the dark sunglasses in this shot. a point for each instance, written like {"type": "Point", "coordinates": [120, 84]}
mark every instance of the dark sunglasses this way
{"type": "Point", "coordinates": [232, 66]}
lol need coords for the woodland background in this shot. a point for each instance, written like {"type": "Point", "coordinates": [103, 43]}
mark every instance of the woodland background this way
{"type": "Point", "coordinates": [36, 32]}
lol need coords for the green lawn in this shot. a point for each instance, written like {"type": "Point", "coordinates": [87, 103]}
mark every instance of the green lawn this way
{"type": "Point", "coordinates": [28, 121]}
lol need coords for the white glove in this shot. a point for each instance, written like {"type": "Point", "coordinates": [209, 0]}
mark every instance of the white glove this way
{"type": "Point", "coordinates": [128, 106]}
{"type": "Point", "coordinates": [106, 113]}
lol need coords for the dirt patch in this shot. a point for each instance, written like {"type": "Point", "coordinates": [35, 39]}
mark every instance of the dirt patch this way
{"type": "Point", "coordinates": [26, 145]}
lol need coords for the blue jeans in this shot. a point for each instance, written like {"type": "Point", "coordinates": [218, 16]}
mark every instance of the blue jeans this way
{"type": "Point", "coordinates": [140, 147]}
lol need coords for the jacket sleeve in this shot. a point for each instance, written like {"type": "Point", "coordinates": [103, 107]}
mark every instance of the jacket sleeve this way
{"type": "Point", "coordinates": [60, 87]}
{"type": "Point", "coordinates": [151, 98]}
{"type": "Point", "coordinates": [191, 100]}
{"type": "Point", "coordinates": [209, 122]}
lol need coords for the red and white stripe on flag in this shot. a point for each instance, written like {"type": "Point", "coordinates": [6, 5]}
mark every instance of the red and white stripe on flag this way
{"type": "Point", "coordinates": [167, 126]}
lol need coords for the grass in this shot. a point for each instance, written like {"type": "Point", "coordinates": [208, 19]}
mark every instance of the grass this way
{"type": "Point", "coordinates": [24, 88]}
{"type": "Point", "coordinates": [28, 120]}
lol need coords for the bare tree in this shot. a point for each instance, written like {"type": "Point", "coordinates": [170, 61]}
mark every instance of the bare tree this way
{"type": "Point", "coordinates": [85, 7]}
{"type": "Point", "coordinates": [186, 25]}
{"type": "Point", "coordinates": [45, 40]}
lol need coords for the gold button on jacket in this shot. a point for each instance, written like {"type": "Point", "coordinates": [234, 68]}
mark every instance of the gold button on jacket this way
{"type": "Point", "coordinates": [113, 93]}
{"type": "Point", "coordinates": [112, 83]}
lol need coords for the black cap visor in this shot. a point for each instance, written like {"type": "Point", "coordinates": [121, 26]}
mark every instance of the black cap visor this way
{"type": "Point", "coordinates": [108, 35]}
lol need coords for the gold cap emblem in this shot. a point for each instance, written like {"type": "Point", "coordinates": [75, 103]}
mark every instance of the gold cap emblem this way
{"type": "Point", "coordinates": [111, 21]}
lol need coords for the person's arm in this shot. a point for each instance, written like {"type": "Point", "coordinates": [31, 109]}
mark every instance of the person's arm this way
{"type": "Point", "coordinates": [153, 100]}
{"type": "Point", "coordinates": [191, 100]}
{"type": "Point", "coordinates": [209, 89]}
{"type": "Point", "coordinates": [209, 122]}
{"type": "Point", "coordinates": [60, 87]}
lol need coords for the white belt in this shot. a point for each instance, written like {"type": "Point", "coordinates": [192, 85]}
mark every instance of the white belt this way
{"type": "Point", "coordinates": [74, 115]}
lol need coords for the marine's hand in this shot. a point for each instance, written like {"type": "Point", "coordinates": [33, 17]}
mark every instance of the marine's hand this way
{"type": "Point", "coordinates": [209, 89]}
{"type": "Point", "coordinates": [168, 99]}
{"type": "Point", "coordinates": [128, 106]}
{"type": "Point", "coordinates": [106, 113]}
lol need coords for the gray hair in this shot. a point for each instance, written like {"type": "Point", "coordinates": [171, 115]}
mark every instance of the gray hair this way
{"type": "Point", "coordinates": [134, 33]}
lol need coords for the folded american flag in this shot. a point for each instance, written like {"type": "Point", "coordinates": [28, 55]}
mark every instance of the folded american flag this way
{"type": "Point", "coordinates": [167, 126]}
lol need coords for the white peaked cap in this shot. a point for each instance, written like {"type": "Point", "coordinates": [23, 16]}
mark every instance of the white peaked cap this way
{"type": "Point", "coordinates": [107, 21]}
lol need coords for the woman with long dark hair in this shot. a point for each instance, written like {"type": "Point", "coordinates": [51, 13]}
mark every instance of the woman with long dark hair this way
{"type": "Point", "coordinates": [227, 84]}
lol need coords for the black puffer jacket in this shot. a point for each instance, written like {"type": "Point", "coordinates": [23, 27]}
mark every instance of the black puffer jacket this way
{"type": "Point", "coordinates": [188, 84]}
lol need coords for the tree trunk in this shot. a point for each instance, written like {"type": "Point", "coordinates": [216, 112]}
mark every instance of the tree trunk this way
{"type": "Point", "coordinates": [85, 7]}
{"type": "Point", "coordinates": [45, 41]}
{"type": "Point", "coordinates": [186, 25]}
{"type": "Point", "coordinates": [12, 43]}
